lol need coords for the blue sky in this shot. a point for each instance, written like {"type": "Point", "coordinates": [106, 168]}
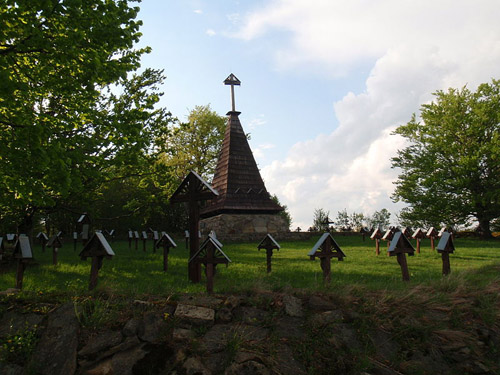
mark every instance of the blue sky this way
{"type": "Point", "coordinates": [324, 82]}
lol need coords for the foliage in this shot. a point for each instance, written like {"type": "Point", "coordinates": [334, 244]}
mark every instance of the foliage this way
{"type": "Point", "coordinates": [195, 145]}
{"type": "Point", "coordinates": [320, 219]}
{"type": "Point", "coordinates": [450, 172]}
{"type": "Point", "coordinates": [69, 112]}
{"type": "Point", "coordinates": [343, 221]}
{"type": "Point", "coordinates": [357, 220]}
{"type": "Point", "coordinates": [17, 348]}
{"type": "Point", "coordinates": [379, 219]}
{"type": "Point", "coordinates": [285, 214]}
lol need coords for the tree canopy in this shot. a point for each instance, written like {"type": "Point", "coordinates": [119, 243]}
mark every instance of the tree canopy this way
{"type": "Point", "coordinates": [450, 171]}
{"type": "Point", "coordinates": [72, 111]}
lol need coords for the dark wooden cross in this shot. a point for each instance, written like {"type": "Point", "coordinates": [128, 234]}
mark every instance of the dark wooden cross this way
{"type": "Point", "coordinates": [418, 235]}
{"type": "Point", "coordinates": [84, 227]}
{"type": "Point", "coordinates": [156, 237]}
{"type": "Point", "coordinates": [192, 190]}
{"type": "Point", "coordinates": [42, 238]}
{"type": "Point", "coordinates": [232, 81]}
{"type": "Point", "coordinates": [210, 254]}
{"type": "Point", "coordinates": [388, 236]}
{"type": "Point", "coordinates": [363, 232]}
{"type": "Point", "coordinates": [55, 243]}
{"type": "Point", "coordinates": [136, 239]}
{"type": "Point", "coordinates": [130, 237]}
{"type": "Point", "coordinates": [166, 242]}
{"type": "Point", "coordinates": [400, 246]}
{"type": "Point", "coordinates": [407, 231]}
{"type": "Point", "coordinates": [144, 239]}
{"type": "Point", "coordinates": [96, 248]}
{"type": "Point", "coordinates": [23, 254]}
{"type": "Point", "coordinates": [75, 240]}
{"type": "Point", "coordinates": [2, 248]}
{"type": "Point", "coordinates": [325, 249]}
{"type": "Point", "coordinates": [268, 243]}
{"type": "Point", "coordinates": [377, 235]}
{"type": "Point", "coordinates": [432, 234]}
{"type": "Point", "coordinates": [446, 247]}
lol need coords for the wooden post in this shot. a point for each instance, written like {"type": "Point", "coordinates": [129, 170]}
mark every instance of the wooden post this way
{"type": "Point", "coordinates": [377, 246]}
{"type": "Point", "coordinates": [165, 257]}
{"type": "Point", "coordinates": [144, 244]}
{"type": "Point", "coordinates": [418, 245]}
{"type": "Point", "coordinates": [20, 273]}
{"type": "Point", "coordinates": [43, 246]}
{"type": "Point", "coordinates": [94, 272]}
{"type": "Point", "coordinates": [445, 256]}
{"type": "Point", "coordinates": [194, 268]}
{"type": "Point", "coordinates": [432, 243]}
{"type": "Point", "coordinates": [269, 254]}
{"type": "Point", "coordinates": [404, 266]}
{"type": "Point", "coordinates": [54, 256]}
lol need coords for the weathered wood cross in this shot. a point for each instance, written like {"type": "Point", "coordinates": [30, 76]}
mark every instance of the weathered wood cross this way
{"type": "Point", "coordinates": [232, 81]}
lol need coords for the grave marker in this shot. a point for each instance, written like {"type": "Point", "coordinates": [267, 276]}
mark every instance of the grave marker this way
{"type": "Point", "coordinates": [377, 235]}
{"type": "Point", "coordinates": [401, 246]}
{"type": "Point", "coordinates": [84, 225]}
{"type": "Point", "coordinates": [210, 254]}
{"type": "Point", "coordinates": [23, 254]}
{"type": "Point", "coordinates": [55, 243]}
{"type": "Point", "coordinates": [11, 237]}
{"type": "Point", "coordinates": [166, 242]}
{"type": "Point", "coordinates": [2, 248]}
{"type": "Point", "coordinates": [268, 243]}
{"type": "Point", "coordinates": [42, 238]}
{"type": "Point", "coordinates": [418, 235]}
{"type": "Point", "coordinates": [446, 247]}
{"type": "Point", "coordinates": [364, 231]}
{"type": "Point", "coordinates": [327, 245]}
{"type": "Point", "coordinates": [432, 234]}
{"type": "Point", "coordinates": [144, 239]}
{"type": "Point", "coordinates": [136, 238]}
{"type": "Point", "coordinates": [75, 240]}
{"type": "Point", "coordinates": [96, 248]}
{"type": "Point", "coordinates": [156, 237]}
{"type": "Point", "coordinates": [389, 235]}
{"type": "Point", "coordinates": [192, 190]}
{"type": "Point", "coordinates": [130, 237]}
{"type": "Point", "coordinates": [407, 231]}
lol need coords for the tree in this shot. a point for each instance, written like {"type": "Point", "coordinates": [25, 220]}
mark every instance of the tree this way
{"type": "Point", "coordinates": [195, 145]}
{"type": "Point", "coordinates": [357, 220]}
{"type": "Point", "coordinates": [63, 129]}
{"type": "Point", "coordinates": [285, 214]}
{"type": "Point", "coordinates": [343, 220]}
{"type": "Point", "coordinates": [451, 169]}
{"type": "Point", "coordinates": [380, 219]}
{"type": "Point", "coordinates": [320, 220]}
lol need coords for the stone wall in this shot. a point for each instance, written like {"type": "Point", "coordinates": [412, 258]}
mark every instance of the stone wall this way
{"type": "Point", "coordinates": [244, 227]}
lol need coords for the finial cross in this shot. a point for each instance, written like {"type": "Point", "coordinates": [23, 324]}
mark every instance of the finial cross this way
{"type": "Point", "coordinates": [232, 81]}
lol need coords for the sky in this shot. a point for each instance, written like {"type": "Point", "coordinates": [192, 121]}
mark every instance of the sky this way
{"type": "Point", "coordinates": [323, 82]}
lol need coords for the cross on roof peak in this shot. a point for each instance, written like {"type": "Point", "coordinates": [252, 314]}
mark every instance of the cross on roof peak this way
{"type": "Point", "coordinates": [232, 81]}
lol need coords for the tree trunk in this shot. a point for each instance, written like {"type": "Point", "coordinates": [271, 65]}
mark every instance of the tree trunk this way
{"type": "Point", "coordinates": [484, 225]}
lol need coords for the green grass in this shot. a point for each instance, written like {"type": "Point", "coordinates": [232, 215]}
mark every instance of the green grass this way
{"type": "Point", "coordinates": [134, 272]}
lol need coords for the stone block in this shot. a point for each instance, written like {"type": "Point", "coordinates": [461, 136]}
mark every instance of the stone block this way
{"type": "Point", "coordinates": [195, 315]}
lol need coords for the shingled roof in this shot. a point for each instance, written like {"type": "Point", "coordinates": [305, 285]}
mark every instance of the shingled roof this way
{"type": "Point", "coordinates": [237, 178]}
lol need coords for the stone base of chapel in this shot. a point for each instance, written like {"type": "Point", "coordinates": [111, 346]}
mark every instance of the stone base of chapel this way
{"type": "Point", "coordinates": [245, 227]}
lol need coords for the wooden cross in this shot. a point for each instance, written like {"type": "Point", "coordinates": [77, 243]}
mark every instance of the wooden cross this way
{"type": "Point", "coordinates": [400, 246]}
{"type": "Point", "coordinates": [130, 237]}
{"type": "Point", "coordinates": [210, 254]}
{"type": "Point", "coordinates": [418, 235]}
{"type": "Point", "coordinates": [432, 234]}
{"type": "Point", "coordinates": [377, 235]}
{"type": "Point", "coordinates": [55, 244]}
{"type": "Point", "coordinates": [144, 239]}
{"type": "Point", "coordinates": [42, 237]}
{"type": "Point", "coordinates": [23, 254]}
{"type": "Point", "coordinates": [192, 190]}
{"type": "Point", "coordinates": [156, 237]}
{"type": "Point", "coordinates": [446, 247]}
{"type": "Point", "coordinates": [166, 242]}
{"type": "Point", "coordinates": [232, 81]}
{"type": "Point", "coordinates": [268, 243]}
{"type": "Point", "coordinates": [327, 244]}
{"type": "Point", "coordinates": [96, 248]}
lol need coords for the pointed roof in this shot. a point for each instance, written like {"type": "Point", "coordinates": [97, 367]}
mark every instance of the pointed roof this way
{"type": "Point", "coordinates": [165, 239]}
{"type": "Point", "coordinates": [237, 178]}
{"type": "Point", "coordinates": [400, 244]}
{"type": "Point", "coordinates": [268, 243]}
{"type": "Point", "coordinates": [193, 187]}
{"type": "Point", "coordinates": [445, 244]}
{"type": "Point", "coordinates": [320, 245]}
{"type": "Point", "coordinates": [97, 246]}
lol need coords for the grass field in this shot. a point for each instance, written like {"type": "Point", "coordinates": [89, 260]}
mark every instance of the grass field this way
{"type": "Point", "coordinates": [134, 272]}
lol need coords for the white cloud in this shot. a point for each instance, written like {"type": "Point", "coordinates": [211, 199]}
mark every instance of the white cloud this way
{"type": "Point", "coordinates": [256, 122]}
{"type": "Point", "coordinates": [210, 32]}
{"type": "Point", "coordinates": [198, 11]}
{"type": "Point", "coordinates": [415, 48]}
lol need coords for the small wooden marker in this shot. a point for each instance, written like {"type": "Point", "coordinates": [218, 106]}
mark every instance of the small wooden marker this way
{"type": "Point", "coordinates": [23, 254]}
{"type": "Point", "coordinates": [83, 224]}
{"type": "Point", "coordinates": [418, 235]}
{"type": "Point", "coordinates": [55, 243]}
{"type": "Point", "coordinates": [446, 247]}
{"type": "Point", "coordinates": [156, 237]}
{"type": "Point", "coordinates": [327, 245]}
{"type": "Point", "coordinates": [166, 242]}
{"type": "Point", "coordinates": [210, 254]}
{"type": "Point", "coordinates": [377, 235]}
{"type": "Point", "coordinates": [42, 238]}
{"type": "Point", "coordinates": [400, 246]}
{"type": "Point", "coordinates": [268, 243]}
{"type": "Point", "coordinates": [130, 237]}
{"type": "Point", "coordinates": [136, 238]}
{"type": "Point", "coordinates": [363, 231]}
{"type": "Point", "coordinates": [75, 240]}
{"type": "Point", "coordinates": [96, 248]}
{"type": "Point", "coordinates": [144, 239]}
{"type": "Point", "coordinates": [388, 236]}
{"type": "Point", "coordinates": [2, 248]}
{"type": "Point", "coordinates": [432, 234]}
